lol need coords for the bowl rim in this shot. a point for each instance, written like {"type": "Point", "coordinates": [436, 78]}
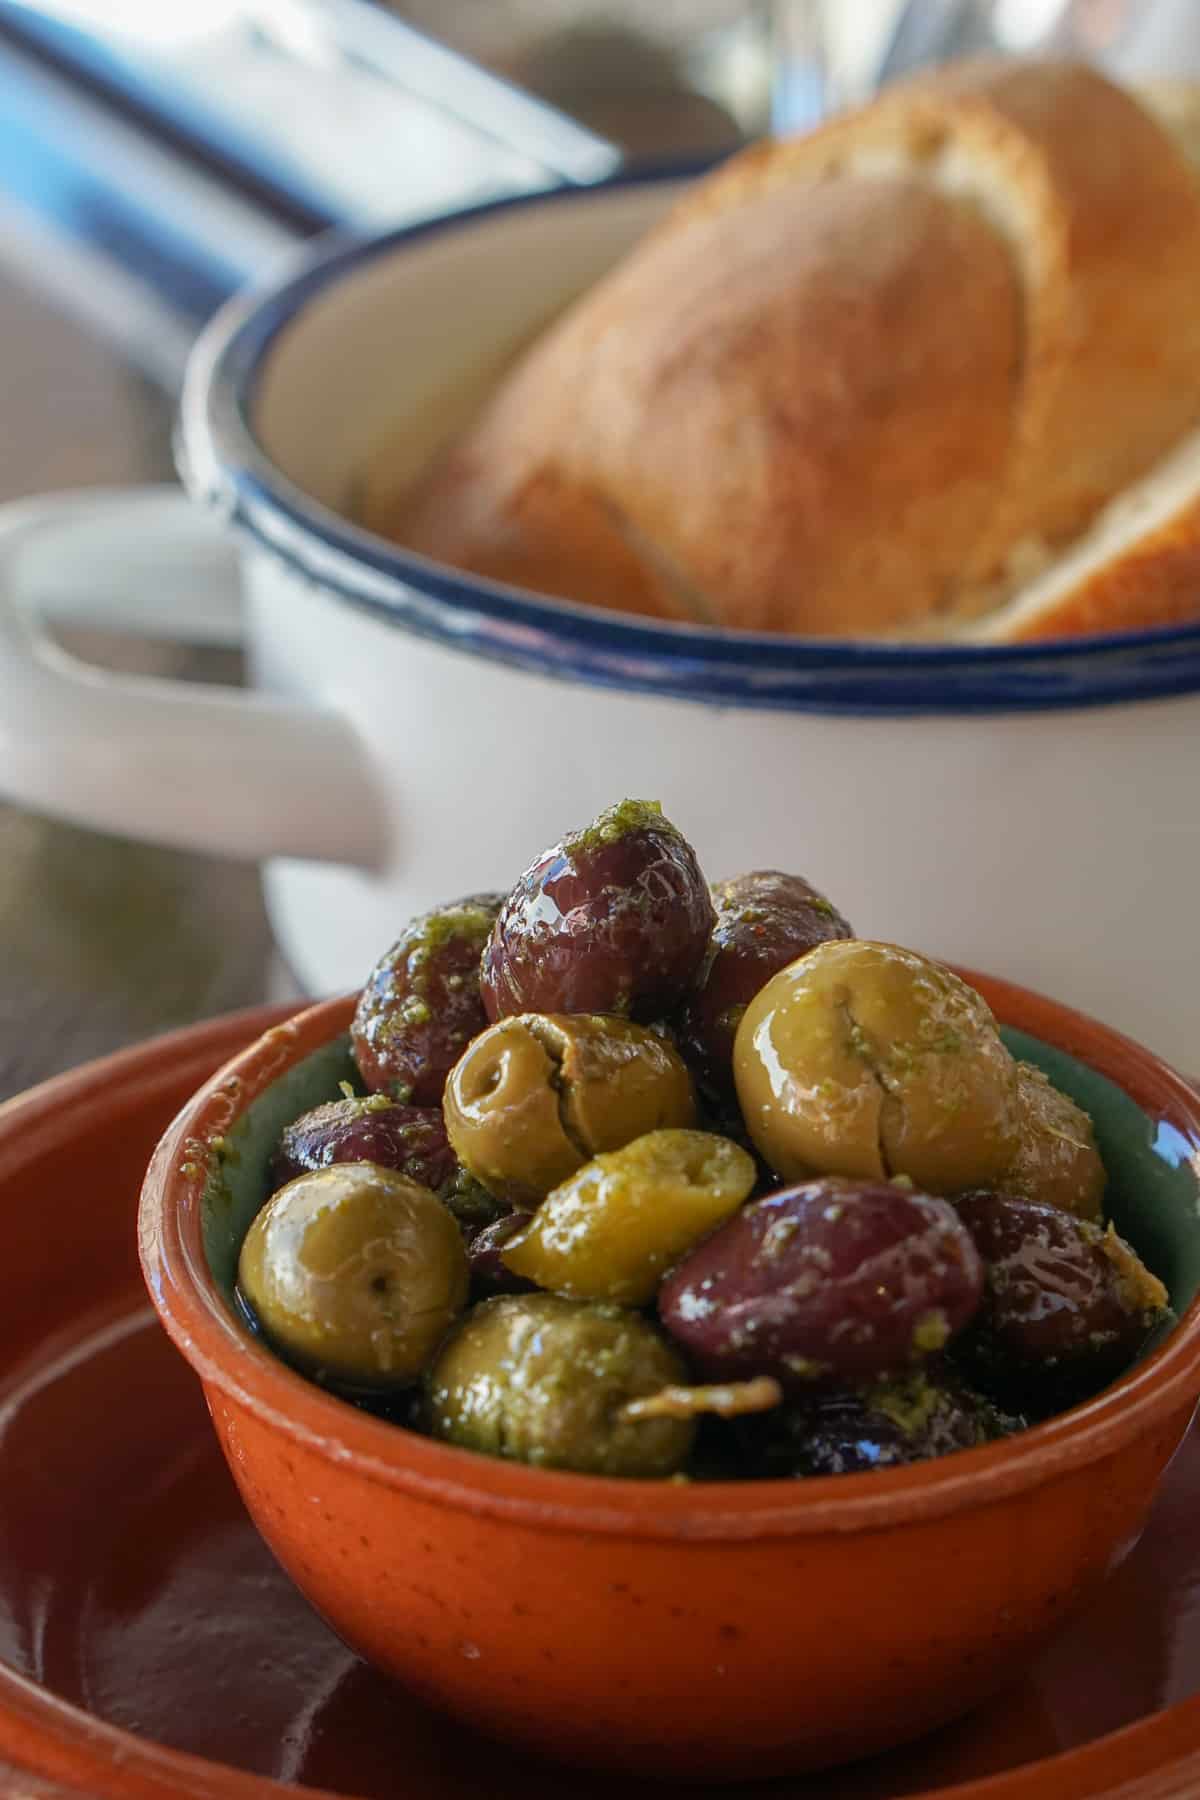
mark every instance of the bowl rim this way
{"type": "Point", "coordinates": [229, 1359]}
{"type": "Point", "coordinates": [224, 464]}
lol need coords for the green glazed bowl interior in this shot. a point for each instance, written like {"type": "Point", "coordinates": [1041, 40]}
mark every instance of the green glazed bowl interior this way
{"type": "Point", "coordinates": [1151, 1184]}
{"type": "Point", "coordinates": [239, 1169]}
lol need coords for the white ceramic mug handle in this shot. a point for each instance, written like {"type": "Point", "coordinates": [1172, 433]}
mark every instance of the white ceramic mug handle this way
{"type": "Point", "coordinates": [203, 768]}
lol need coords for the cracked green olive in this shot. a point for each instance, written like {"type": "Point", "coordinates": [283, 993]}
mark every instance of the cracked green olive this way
{"type": "Point", "coordinates": [355, 1274]}
{"type": "Point", "coordinates": [536, 1096]}
{"type": "Point", "coordinates": [543, 1380]}
{"type": "Point", "coordinates": [1057, 1162]}
{"type": "Point", "coordinates": [867, 1060]}
{"type": "Point", "coordinates": [611, 1229]}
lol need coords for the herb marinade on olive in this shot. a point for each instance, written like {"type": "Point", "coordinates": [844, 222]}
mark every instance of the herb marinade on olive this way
{"type": "Point", "coordinates": [652, 1179]}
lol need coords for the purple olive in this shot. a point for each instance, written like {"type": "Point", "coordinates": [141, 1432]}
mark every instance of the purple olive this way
{"type": "Point", "coordinates": [883, 1425]}
{"type": "Point", "coordinates": [765, 920]}
{"type": "Point", "coordinates": [614, 919]}
{"type": "Point", "coordinates": [410, 1139]}
{"type": "Point", "coordinates": [421, 1005]}
{"type": "Point", "coordinates": [1061, 1297]}
{"type": "Point", "coordinates": [489, 1274]}
{"type": "Point", "coordinates": [835, 1279]}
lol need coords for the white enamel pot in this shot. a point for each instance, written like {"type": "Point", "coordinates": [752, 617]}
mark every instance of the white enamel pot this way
{"type": "Point", "coordinates": [412, 734]}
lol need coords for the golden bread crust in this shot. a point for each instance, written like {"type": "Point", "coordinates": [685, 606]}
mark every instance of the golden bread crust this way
{"type": "Point", "coordinates": [1154, 581]}
{"type": "Point", "coordinates": [852, 375]}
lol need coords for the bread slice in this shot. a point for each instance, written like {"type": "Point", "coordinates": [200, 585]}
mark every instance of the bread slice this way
{"type": "Point", "coordinates": [1136, 566]}
{"type": "Point", "coordinates": [856, 379]}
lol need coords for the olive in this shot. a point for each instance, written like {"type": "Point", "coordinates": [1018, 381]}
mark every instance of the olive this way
{"type": "Point", "coordinates": [1066, 1305]}
{"type": "Point", "coordinates": [609, 1231]}
{"type": "Point", "coordinates": [470, 1202]}
{"type": "Point", "coordinates": [404, 1407]}
{"type": "Point", "coordinates": [881, 1425]}
{"type": "Point", "coordinates": [614, 919]}
{"type": "Point", "coordinates": [409, 1139]}
{"type": "Point", "coordinates": [534, 1097]}
{"type": "Point", "coordinates": [354, 1273]}
{"type": "Point", "coordinates": [867, 1060]}
{"type": "Point", "coordinates": [489, 1274]}
{"type": "Point", "coordinates": [1057, 1161]}
{"type": "Point", "coordinates": [765, 920]}
{"type": "Point", "coordinates": [836, 1279]}
{"type": "Point", "coordinates": [543, 1380]}
{"type": "Point", "coordinates": [421, 1006]}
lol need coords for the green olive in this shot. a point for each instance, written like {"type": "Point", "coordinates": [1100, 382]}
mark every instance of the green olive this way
{"type": "Point", "coordinates": [866, 1060]}
{"type": "Point", "coordinates": [537, 1095]}
{"type": "Point", "coordinates": [355, 1274]}
{"type": "Point", "coordinates": [542, 1380]}
{"type": "Point", "coordinates": [1057, 1161]}
{"type": "Point", "coordinates": [611, 1230]}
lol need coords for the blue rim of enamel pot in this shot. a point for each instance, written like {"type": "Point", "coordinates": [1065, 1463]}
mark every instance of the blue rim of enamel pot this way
{"type": "Point", "coordinates": [225, 467]}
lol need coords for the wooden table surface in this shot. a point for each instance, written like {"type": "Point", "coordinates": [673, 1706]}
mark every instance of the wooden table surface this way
{"type": "Point", "coordinates": [103, 942]}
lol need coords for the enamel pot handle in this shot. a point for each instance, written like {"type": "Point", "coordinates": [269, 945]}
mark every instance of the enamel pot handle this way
{"type": "Point", "coordinates": [218, 769]}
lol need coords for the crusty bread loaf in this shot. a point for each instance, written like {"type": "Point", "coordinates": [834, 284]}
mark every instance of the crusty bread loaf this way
{"type": "Point", "coordinates": [1176, 106]}
{"type": "Point", "coordinates": [860, 383]}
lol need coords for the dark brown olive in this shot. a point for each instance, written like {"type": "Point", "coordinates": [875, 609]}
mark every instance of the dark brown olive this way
{"type": "Point", "coordinates": [410, 1139]}
{"type": "Point", "coordinates": [883, 1425]}
{"type": "Point", "coordinates": [836, 1279]}
{"type": "Point", "coordinates": [1061, 1295]}
{"type": "Point", "coordinates": [489, 1273]}
{"type": "Point", "coordinates": [765, 920]}
{"type": "Point", "coordinates": [614, 919]}
{"type": "Point", "coordinates": [421, 1006]}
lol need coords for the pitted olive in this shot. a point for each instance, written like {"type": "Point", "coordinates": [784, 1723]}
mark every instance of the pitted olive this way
{"type": "Point", "coordinates": [611, 1230]}
{"type": "Point", "coordinates": [535, 1097]}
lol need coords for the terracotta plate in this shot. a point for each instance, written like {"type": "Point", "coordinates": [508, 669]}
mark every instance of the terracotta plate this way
{"type": "Point", "coordinates": [138, 1608]}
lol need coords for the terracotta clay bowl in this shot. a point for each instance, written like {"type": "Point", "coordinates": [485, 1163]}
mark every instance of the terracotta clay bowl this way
{"type": "Point", "coordinates": [715, 1630]}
